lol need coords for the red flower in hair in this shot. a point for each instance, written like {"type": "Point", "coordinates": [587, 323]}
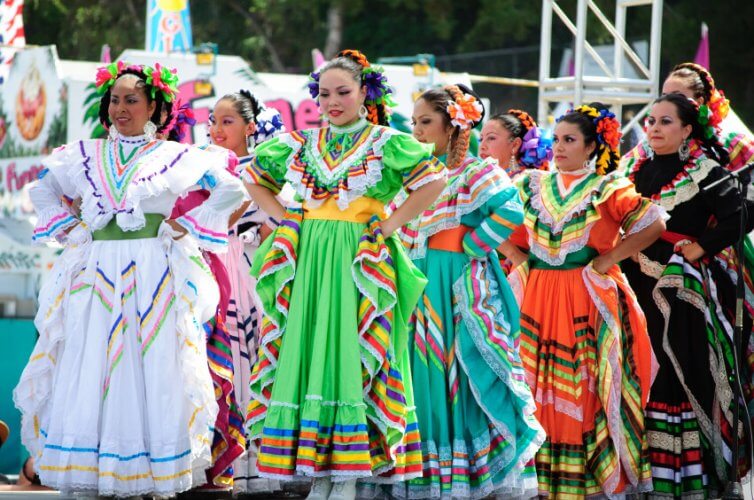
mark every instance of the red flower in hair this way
{"type": "Point", "coordinates": [609, 129]}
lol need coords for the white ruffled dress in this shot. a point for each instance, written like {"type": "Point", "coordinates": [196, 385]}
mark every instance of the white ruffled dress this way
{"type": "Point", "coordinates": [117, 397]}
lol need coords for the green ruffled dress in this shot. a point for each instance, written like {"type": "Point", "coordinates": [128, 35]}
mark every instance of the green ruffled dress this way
{"type": "Point", "coordinates": [331, 390]}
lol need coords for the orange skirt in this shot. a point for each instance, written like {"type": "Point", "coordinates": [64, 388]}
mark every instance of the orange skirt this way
{"type": "Point", "coordinates": [589, 369]}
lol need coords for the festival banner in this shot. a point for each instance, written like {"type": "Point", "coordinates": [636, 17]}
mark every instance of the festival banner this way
{"type": "Point", "coordinates": [33, 121]}
{"type": "Point", "coordinates": [168, 26]}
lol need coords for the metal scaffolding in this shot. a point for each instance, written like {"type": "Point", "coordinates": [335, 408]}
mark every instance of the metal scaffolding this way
{"type": "Point", "coordinates": [613, 87]}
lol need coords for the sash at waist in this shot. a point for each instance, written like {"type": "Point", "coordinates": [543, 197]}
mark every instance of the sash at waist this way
{"type": "Point", "coordinates": [450, 240]}
{"type": "Point", "coordinates": [574, 260]}
{"type": "Point", "coordinates": [359, 210]}
{"type": "Point", "coordinates": [112, 230]}
{"type": "Point", "coordinates": [674, 238]}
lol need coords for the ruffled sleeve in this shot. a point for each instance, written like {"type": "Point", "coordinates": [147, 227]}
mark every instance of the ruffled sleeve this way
{"type": "Point", "coordinates": [54, 217]}
{"type": "Point", "coordinates": [208, 222]}
{"type": "Point", "coordinates": [740, 147]}
{"type": "Point", "coordinates": [412, 161]}
{"type": "Point", "coordinates": [632, 210]}
{"type": "Point", "coordinates": [268, 167]}
{"type": "Point", "coordinates": [504, 214]}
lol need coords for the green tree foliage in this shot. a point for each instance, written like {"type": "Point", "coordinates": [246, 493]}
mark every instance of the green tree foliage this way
{"type": "Point", "coordinates": [278, 35]}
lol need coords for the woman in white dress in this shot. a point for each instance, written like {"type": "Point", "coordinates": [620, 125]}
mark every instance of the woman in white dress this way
{"type": "Point", "coordinates": [117, 397]}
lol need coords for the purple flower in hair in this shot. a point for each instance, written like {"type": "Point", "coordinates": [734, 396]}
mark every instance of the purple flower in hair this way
{"type": "Point", "coordinates": [313, 84]}
{"type": "Point", "coordinates": [536, 148]}
{"type": "Point", "coordinates": [376, 84]}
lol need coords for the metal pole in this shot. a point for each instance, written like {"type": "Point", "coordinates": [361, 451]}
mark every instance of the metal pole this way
{"type": "Point", "coordinates": [654, 46]}
{"type": "Point", "coordinates": [578, 64]}
{"type": "Point", "coordinates": [544, 58]}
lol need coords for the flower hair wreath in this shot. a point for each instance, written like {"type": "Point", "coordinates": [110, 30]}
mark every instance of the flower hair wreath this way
{"type": "Point", "coordinates": [372, 77]}
{"type": "Point", "coordinates": [158, 78]}
{"type": "Point", "coordinates": [465, 111]}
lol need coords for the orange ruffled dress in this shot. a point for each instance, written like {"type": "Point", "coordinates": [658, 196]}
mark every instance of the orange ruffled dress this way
{"type": "Point", "coordinates": [584, 342]}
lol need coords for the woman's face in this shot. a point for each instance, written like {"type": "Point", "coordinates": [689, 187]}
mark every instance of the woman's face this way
{"type": "Point", "coordinates": [497, 142]}
{"type": "Point", "coordinates": [129, 108]}
{"type": "Point", "coordinates": [665, 130]}
{"type": "Point", "coordinates": [340, 96]}
{"type": "Point", "coordinates": [228, 129]}
{"type": "Point", "coordinates": [679, 86]}
{"type": "Point", "coordinates": [569, 149]}
{"type": "Point", "coordinates": [430, 127]}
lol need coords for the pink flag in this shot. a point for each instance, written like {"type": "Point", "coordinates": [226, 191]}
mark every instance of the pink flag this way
{"type": "Point", "coordinates": [317, 59]}
{"type": "Point", "coordinates": [104, 54]}
{"type": "Point", "coordinates": [702, 52]}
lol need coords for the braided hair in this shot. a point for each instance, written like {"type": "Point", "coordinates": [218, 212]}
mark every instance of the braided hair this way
{"type": "Point", "coordinates": [518, 123]}
{"type": "Point", "coordinates": [697, 79]}
{"type": "Point", "coordinates": [600, 127]}
{"type": "Point", "coordinates": [459, 140]}
{"type": "Point", "coordinates": [163, 111]}
{"type": "Point", "coordinates": [688, 113]}
{"type": "Point", "coordinates": [700, 82]}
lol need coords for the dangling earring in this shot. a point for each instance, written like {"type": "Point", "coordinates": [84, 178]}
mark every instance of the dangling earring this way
{"type": "Point", "coordinates": [113, 133]}
{"type": "Point", "coordinates": [363, 111]}
{"type": "Point", "coordinates": [250, 143]}
{"type": "Point", "coordinates": [512, 164]}
{"type": "Point", "coordinates": [684, 150]}
{"type": "Point", "coordinates": [150, 130]}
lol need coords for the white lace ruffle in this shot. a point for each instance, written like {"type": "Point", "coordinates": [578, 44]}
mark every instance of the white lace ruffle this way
{"type": "Point", "coordinates": [466, 204]}
{"type": "Point", "coordinates": [171, 167]}
{"type": "Point", "coordinates": [355, 187]}
{"type": "Point", "coordinates": [655, 212]}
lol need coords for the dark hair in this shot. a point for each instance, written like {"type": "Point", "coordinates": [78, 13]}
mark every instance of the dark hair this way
{"type": "Point", "coordinates": [459, 141]}
{"type": "Point", "coordinates": [688, 112]}
{"type": "Point", "coordinates": [697, 79]}
{"type": "Point", "coordinates": [156, 118]}
{"type": "Point", "coordinates": [517, 123]}
{"type": "Point", "coordinates": [353, 62]}
{"type": "Point", "coordinates": [245, 104]}
{"type": "Point", "coordinates": [607, 157]}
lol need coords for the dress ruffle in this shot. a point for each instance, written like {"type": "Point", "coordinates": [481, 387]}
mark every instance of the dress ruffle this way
{"type": "Point", "coordinates": [76, 271]}
{"type": "Point", "coordinates": [378, 268]}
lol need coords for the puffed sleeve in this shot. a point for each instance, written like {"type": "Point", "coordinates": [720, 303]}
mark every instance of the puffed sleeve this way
{"type": "Point", "coordinates": [54, 217]}
{"type": "Point", "coordinates": [208, 222]}
{"type": "Point", "coordinates": [412, 160]}
{"type": "Point", "coordinates": [632, 211]}
{"type": "Point", "coordinates": [505, 214]}
{"type": "Point", "coordinates": [270, 162]}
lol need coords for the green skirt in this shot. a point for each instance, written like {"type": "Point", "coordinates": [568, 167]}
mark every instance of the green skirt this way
{"type": "Point", "coordinates": [475, 410]}
{"type": "Point", "coordinates": [331, 392]}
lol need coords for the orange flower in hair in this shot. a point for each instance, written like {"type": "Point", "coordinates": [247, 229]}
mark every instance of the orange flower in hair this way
{"type": "Point", "coordinates": [356, 56]}
{"type": "Point", "coordinates": [465, 111]}
{"type": "Point", "coordinates": [610, 131]}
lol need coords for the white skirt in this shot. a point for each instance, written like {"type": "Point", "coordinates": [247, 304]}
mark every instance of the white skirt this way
{"type": "Point", "coordinates": [117, 397]}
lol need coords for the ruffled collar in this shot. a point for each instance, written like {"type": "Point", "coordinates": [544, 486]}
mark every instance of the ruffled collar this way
{"type": "Point", "coordinates": [350, 128]}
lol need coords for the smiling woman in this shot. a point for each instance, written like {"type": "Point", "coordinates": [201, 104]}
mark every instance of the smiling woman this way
{"type": "Point", "coordinates": [117, 397]}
